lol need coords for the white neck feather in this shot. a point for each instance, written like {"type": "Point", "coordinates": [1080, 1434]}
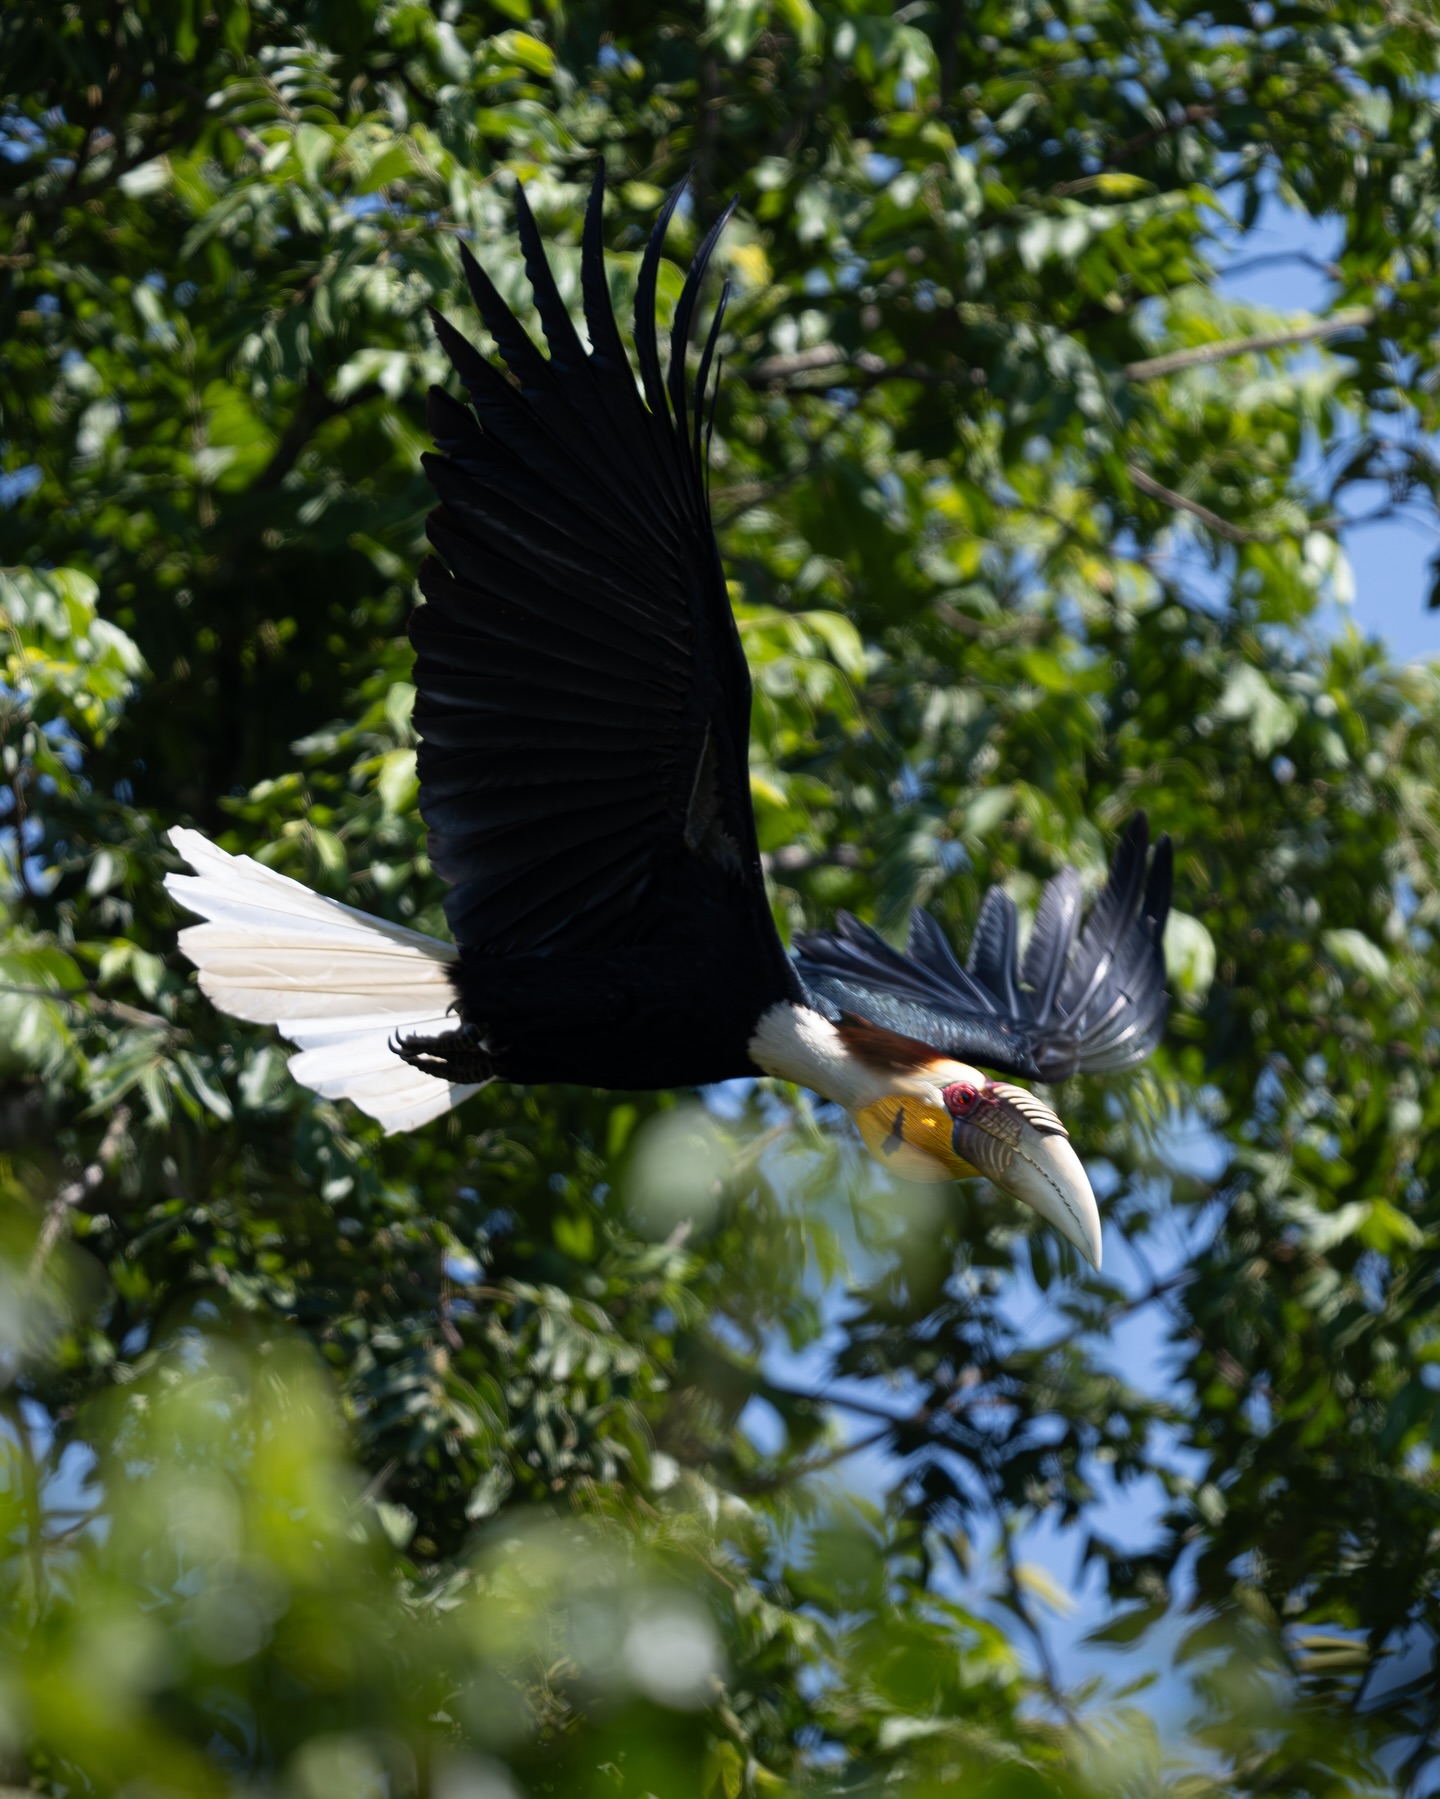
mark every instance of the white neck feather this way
{"type": "Point", "coordinates": [796, 1044]}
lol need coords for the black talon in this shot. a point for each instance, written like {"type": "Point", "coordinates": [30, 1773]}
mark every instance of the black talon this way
{"type": "Point", "coordinates": [458, 1055]}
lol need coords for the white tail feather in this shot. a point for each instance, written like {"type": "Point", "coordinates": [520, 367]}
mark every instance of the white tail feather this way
{"type": "Point", "coordinates": [335, 981]}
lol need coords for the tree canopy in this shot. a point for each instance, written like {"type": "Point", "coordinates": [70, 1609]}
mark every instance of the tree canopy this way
{"type": "Point", "coordinates": [505, 1458]}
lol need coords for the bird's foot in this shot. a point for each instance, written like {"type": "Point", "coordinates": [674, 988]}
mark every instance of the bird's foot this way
{"type": "Point", "coordinates": [461, 1055]}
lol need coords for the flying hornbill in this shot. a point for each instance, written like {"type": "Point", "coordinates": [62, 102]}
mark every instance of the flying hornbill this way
{"type": "Point", "coordinates": [583, 710]}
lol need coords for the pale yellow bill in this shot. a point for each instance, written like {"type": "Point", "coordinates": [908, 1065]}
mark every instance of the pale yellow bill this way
{"type": "Point", "coordinates": [991, 1128]}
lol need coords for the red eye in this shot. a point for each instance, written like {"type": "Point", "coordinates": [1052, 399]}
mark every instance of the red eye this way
{"type": "Point", "coordinates": [961, 1099]}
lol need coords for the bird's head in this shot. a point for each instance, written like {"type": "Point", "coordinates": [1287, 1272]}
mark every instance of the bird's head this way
{"type": "Point", "coordinates": [950, 1122]}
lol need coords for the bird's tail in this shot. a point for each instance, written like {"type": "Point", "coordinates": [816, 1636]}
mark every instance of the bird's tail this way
{"type": "Point", "coordinates": [338, 982]}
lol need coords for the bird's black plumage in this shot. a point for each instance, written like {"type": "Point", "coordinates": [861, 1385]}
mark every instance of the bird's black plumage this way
{"type": "Point", "coordinates": [583, 702]}
{"type": "Point", "coordinates": [1094, 1011]}
{"type": "Point", "coordinates": [583, 707]}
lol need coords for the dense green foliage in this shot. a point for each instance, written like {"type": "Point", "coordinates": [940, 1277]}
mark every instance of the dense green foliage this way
{"type": "Point", "coordinates": [466, 1464]}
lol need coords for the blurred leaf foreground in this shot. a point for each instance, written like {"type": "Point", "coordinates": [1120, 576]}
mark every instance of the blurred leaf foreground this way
{"type": "Point", "coordinates": [509, 1459]}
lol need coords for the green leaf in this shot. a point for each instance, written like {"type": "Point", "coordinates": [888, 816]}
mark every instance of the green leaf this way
{"type": "Point", "coordinates": [529, 52]}
{"type": "Point", "coordinates": [1249, 698]}
{"type": "Point", "coordinates": [1355, 953]}
{"type": "Point", "coordinates": [397, 782]}
{"type": "Point", "coordinates": [1189, 956]}
{"type": "Point", "coordinates": [145, 178]}
{"type": "Point", "coordinates": [1043, 1586]}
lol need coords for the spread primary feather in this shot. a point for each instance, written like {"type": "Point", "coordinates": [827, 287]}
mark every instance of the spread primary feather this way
{"type": "Point", "coordinates": [583, 713]}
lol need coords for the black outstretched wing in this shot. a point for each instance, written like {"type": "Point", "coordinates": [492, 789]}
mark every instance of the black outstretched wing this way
{"type": "Point", "coordinates": [1090, 1007]}
{"type": "Point", "coordinates": [583, 702]}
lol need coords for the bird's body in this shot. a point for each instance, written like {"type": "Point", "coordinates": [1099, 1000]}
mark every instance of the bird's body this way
{"type": "Point", "coordinates": [679, 1010]}
{"type": "Point", "coordinates": [583, 710]}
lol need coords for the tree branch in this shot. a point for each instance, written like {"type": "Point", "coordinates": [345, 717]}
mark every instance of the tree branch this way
{"type": "Point", "coordinates": [775, 371]}
{"type": "Point", "coordinates": [1248, 264]}
{"type": "Point", "coordinates": [1143, 140]}
{"type": "Point", "coordinates": [1049, 1672]}
{"type": "Point", "coordinates": [1152, 368]}
{"type": "Point", "coordinates": [815, 1464]}
{"type": "Point", "coordinates": [995, 631]}
{"type": "Point", "coordinates": [757, 493]}
{"type": "Point", "coordinates": [777, 368]}
{"type": "Point", "coordinates": [1212, 520]}
{"type": "Point", "coordinates": [73, 1192]}
{"type": "Point", "coordinates": [71, 996]}
{"type": "Point", "coordinates": [315, 408]}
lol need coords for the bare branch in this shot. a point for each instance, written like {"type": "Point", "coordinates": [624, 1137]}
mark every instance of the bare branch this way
{"type": "Point", "coordinates": [778, 371]}
{"type": "Point", "coordinates": [1220, 526]}
{"type": "Point", "coordinates": [1248, 264]}
{"type": "Point", "coordinates": [778, 368]}
{"type": "Point", "coordinates": [1153, 367]}
{"type": "Point", "coordinates": [73, 1192]}
{"type": "Point", "coordinates": [1006, 630]}
{"type": "Point", "coordinates": [315, 408]}
{"type": "Point", "coordinates": [98, 1002]}
{"type": "Point", "coordinates": [871, 369]}
{"type": "Point", "coordinates": [803, 1470]}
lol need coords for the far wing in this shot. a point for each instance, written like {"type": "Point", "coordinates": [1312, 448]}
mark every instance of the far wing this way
{"type": "Point", "coordinates": [1091, 1007]}
{"type": "Point", "coordinates": [583, 702]}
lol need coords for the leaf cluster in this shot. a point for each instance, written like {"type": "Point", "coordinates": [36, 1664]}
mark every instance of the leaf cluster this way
{"type": "Point", "coordinates": [608, 1443]}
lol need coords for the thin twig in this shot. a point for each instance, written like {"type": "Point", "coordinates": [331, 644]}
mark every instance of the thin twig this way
{"type": "Point", "coordinates": [871, 370]}
{"type": "Point", "coordinates": [1248, 264]}
{"type": "Point", "coordinates": [1220, 526]}
{"type": "Point", "coordinates": [994, 631]}
{"type": "Point", "coordinates": [1145, 140]}
{"type": "Point", "coordinates": [774, 371]}
{"type": "Point", "coordinates": [375, 1486]}
{"type": "Point", "coordinates": [865, 1409]}
{"type": "Point", "coordinates": [70, 996]}
{"type": "Point", "coordinates": [1049, 1673]}
{"type": "Point", "coordinates": [758, 493]}
{"type": "Point", "coordinates": [799, 362]}
{"type": "Point", "coordinates": [796, 859]}
{"type": "Point", "coordinates": [1409, 1771]}
{"type": "Point", "coordinates": [816, 1464]}
{"type": "Point", "coordinates": [73, 1192]}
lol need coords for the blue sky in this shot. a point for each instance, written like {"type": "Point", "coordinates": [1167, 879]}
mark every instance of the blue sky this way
{"type": "Point", "coordinates": [1390, 559]}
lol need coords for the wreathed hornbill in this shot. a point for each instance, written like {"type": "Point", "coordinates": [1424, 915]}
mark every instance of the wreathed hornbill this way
{"type": "Point", "coordinates": [583, 712]}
